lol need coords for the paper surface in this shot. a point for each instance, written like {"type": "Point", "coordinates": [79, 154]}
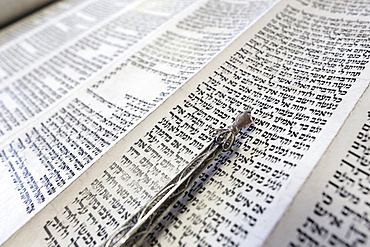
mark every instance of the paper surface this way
{"type": "Point", "coordinates": [67, 101]}
{"type": "Point", "coordinates": [300, 95]}
{"type": "Point", "coordinates": [333, 206]}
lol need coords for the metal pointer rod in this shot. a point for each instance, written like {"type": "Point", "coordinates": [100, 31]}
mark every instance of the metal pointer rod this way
{"type": "Point", "coordinates": [141, 223]}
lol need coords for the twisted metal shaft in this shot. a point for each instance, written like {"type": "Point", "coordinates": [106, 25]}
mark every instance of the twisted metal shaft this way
{"type": "Point", "coordinates": [142, 222]}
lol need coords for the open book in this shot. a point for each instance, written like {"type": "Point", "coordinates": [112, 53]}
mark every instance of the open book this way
{"type": "Point", "coordinates": [102, 102]}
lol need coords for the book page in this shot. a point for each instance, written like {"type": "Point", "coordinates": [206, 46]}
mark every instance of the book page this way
{"type": "Point", "coordinates": [332, 209]}
{"type": "Point", "coordinates": [89, 30]}
{"type": "Point", "coordinates": [300, 68]}
{"type": "Point", "coordinates": [61, 114]}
